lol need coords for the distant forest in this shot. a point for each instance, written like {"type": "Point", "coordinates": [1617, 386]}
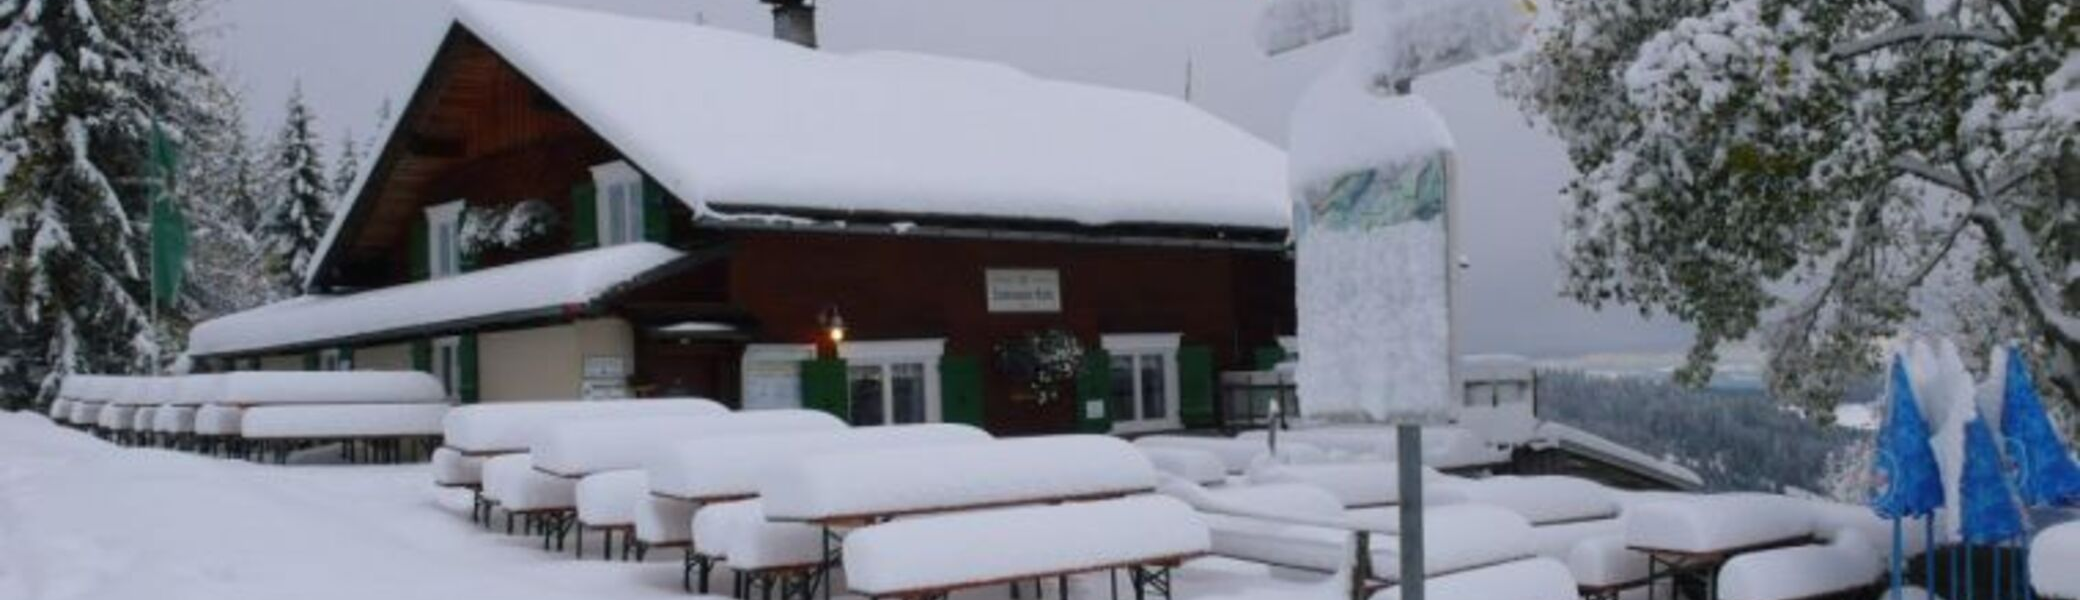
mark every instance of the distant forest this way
{"type": "Point", "coordinates": [1737, 439]}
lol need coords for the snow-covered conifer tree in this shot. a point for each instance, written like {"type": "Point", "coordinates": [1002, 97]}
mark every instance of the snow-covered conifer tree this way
{"type": "Point", "coordinates": [300, 198]}
{"type": "Point", "coordinates": [83, 83]}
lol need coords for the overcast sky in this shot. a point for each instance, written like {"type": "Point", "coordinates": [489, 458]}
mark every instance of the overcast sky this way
{"type": "Point", "coordinates": [352, 55]}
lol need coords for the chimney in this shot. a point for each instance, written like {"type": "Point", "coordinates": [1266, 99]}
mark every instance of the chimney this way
{"type": "Point", "coordinates": [795, 21]}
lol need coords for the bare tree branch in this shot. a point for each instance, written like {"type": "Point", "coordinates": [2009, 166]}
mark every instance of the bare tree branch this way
{"type": "Point", "coordinates": [1921, 169]}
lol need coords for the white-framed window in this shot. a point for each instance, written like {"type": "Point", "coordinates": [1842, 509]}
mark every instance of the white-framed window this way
{"type": "Point", "coordinates": [444, 239]}
{"type": "Point", "coordinates": [891, 382]}
{"type": "Point", "coordinates": [1143, 393]}
{"type": "Point", "coordinates": [773, 375]}
{"type": "Point", "coordinates": [447, 364]}
{"type": "Point", "coordinates": [619, 189]}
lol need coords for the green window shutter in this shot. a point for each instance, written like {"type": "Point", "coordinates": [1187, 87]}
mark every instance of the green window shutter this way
{"type": "Point", "coordinates": [1268, 357]}
{"type": "Point", "coordinates": [422, 356]}
{"type": "Point", "coordinates": [656, 226]}
{"type": "Point", "coordinates": [419, 249]}
{"type": "Point", "coordinates": [310, 360]}
{"type": "Point", "coordinates": [346, 356]}
{"type": "Point", "coordinates": [823, 387]}
{"type": "Point", "coordinates": [960, 390]}
{"type": "Point", "coordinates": [1195, 385]}
{"type": "Point", "coordinates": [466, 361]}
{"type": "Point", "coordinates": [1093, 384]}
{"type": "Point", "coordinates": [584, 216]}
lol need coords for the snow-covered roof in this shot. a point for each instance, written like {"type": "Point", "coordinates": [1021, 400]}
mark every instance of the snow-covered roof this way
{"type": "Point", "coordinates": [1582, 442]}
{"type": "Point", "coordinates": [727, 119]}
{"type": "Point", "coordinates": [550, 283]}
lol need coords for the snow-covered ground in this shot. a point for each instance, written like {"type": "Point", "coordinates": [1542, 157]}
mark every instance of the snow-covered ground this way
{"type": "Point", "coordinates": [81, 519]}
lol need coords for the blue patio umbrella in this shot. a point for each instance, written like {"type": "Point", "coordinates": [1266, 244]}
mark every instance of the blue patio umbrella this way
{"type": "Point", "coordinates": [1910, 482]}
{"type": "Point", "coordinates": [2045, 472]}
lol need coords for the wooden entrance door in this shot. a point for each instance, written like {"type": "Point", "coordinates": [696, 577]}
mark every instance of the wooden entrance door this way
{"type": "Point", "coordinates": [684, 367]}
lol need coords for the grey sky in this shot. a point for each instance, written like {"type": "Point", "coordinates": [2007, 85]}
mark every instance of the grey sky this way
{"type": "Point", "coordinates": [351, 55]}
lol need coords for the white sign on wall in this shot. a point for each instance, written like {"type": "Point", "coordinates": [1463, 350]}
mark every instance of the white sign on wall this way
{"type": "Point", "coordinates": [1024, 290]}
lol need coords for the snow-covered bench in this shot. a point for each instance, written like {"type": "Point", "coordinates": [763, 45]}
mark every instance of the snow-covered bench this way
{"type": "Point", "coordinates": [479, 431]}
{"type": "Point", "coordinates": [259, 388]}
{"type": "Point", "coordinates": [115, 421]}
{"type": "Point", "coordinates": [383, 432]}
{"type": "Point", "coordinates": [1698, 534]}
{"type": "Point", "coordinates": [763, 555]}
{"type": "Point", "coordinates": [2052, 555]}
{"type": "Point", "coordinates": [1237, 455]}
{"type": "Point", "coordinates": [217, 429]}
{"type": "Point", "coordinates": [1603, 567]}
{"type": "Point", "coordinates": [1303, 527]}
{"type": "Point", "coordinates": [1447, 448]}
{"type": "Point", "coordinates": [1539, 578]}
{"type": "Point", "coordinates": [1364, 484]}
{"type": "Point", "coordinates": [694, 473]}
{"type": "Point", "coordinates": [1847, 563]}
{"type": "Point", "coordinates": [933, 556]}
{"type": "Point", "coordinates": [607, 504]}
{"type": "Point", "coordinates": [1197, 466]}
{"type": "Point", "coordinates": [543, 502]}
{"type": "Point", "coordinates": [87, 413]}
{"type": "Point", "coordinates": [588, 446]}
{"type": "Point", "coordinates": [662, 523]}
{"type": "Point", "coordinates": [842, 491]}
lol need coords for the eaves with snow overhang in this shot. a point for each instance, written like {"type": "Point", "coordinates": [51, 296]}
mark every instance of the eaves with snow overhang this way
{"type": "Point", "coordinates": [752, 132]}
{"type": "Point", "coordinates": [555, 288]}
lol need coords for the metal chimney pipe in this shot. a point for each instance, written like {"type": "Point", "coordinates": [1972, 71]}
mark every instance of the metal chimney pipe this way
{"type": "Point", "coordinates": [794, 21]}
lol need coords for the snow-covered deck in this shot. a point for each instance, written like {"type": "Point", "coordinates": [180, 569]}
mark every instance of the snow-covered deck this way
{"type": "Point", "coordinates": [544, 287]}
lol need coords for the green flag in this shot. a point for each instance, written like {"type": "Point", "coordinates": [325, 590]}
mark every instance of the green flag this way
{"type": "Point", "coordinates": [169, 226]}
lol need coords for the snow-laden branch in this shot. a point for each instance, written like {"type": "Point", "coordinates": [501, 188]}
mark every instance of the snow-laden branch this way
{"type": "Point", "coordinates": [1915, 166]}
{"type": "Point", "coordinates": [2016, 253]}
{"type": "Point", "coordinates": [1918, 32]}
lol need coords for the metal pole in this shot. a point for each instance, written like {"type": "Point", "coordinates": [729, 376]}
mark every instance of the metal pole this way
{"type": "Point", "coordinates": [1898, 554]}
{"type": "Point", "coordinates": [1409, 452]}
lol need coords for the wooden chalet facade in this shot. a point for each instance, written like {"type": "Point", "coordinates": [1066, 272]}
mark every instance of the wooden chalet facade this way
{"type": "Point", "coordinates": [615, 268]}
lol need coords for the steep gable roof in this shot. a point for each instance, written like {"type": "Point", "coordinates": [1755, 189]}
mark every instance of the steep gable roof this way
{"type": "Point", "coordinates": [734, 124]}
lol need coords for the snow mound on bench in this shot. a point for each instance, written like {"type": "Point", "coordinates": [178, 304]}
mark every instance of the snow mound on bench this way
{"type": "Point", "coordinates": [218, 419]}
{"type": "Point", "coordinates": [664, 521]}
{"type": "Point", "coordinates": [1846, 564]}
{"type": "Point", "coordinates": [142, 419]}
{"type": "Point", "coordinates": [502, 471]}
{"type": "Point", "coordinates": [610, 498]}
{"type": "Point", "coordinates": [1196, 466]}
{"type": "Point", "coordinates": [1462, 536]}
{"type": "Point", "coordinates": [197, 390]}
{"type": "Point", "coordinates": [592, 445]}
{"type": "Point", "coordinates": [455, 468]}
{"type": "Point", "coordinates": [511, 480]}
{"type": "Point", "coordinates": [715, 525]}
{"type": "Point", "coordinates": [174, 419]}
{"type": "Point", "coordinates": [972, 548]}
{"type": "Point", "coordinates": [1605, 561]}
{"type": "Point", "coordinates": [1236, 454]}
{"type": "Point", "coordinates": [2052, 556]}
{"type": "Point", "coordinates": [116, 417]}
{"type": "Point", "coordinates": [1544, 499]}
{"type": "Point", "coordinates": [729, 467]}
{"type": "Point", "coordinates": [59, 409]}
{"type": "Point", "coordinates": [342, 420]}
{"type": "Point", "coordinates": [330, 387]}
{"type": "Point", "coordinates": [517, 426]}
{"type": "Point", "coordinates": [1715, 523]}
{"type": "Point", "coordinates": [755, 543]}
{"type": "Point", "coordinates": [916, 480]}
{"type": "Point", "coordinates": [1357, 484]}
{"type": "Point", "coordinates": [1443, 447]}
{"type": "Point", "coordinates": [1532, 579]}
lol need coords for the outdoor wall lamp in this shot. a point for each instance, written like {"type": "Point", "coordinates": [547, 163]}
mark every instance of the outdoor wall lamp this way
{"type": "Point", "coordinates": [833, 323]}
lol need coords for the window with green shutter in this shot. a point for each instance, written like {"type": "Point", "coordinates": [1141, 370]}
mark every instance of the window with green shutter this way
{"type": "Point", "coordinates": [466, 363]}
{"type": "Point", "coordinates": [1093, 388]}
{"type": "Point", "coordinates": [823, 387]}
{"type": "Point", "coordinates": [418, 250]}
{"type": "Point", "coordinates": [310, 360]}
{"type": "Point", "coordinates": [1268, 357]}
{"type": "Point", "coordinates": [1195, 385]}
{"type": "Point", "coordinates": [960, 390]}
{"type": "Point", "coordinates": [657, 227]}
{"type": "Point", "coordinates": [346, 358]}
{"type": "Point", "coordinates": [422, 355]}
{"type": "Point", "coordinates": [584, 216]}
